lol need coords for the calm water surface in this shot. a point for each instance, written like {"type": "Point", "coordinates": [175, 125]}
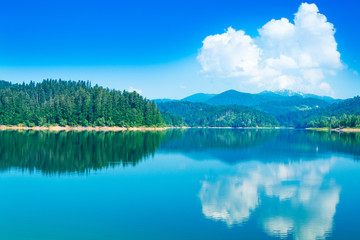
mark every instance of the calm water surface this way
{"type": "Point", "coordinates": [180, 184]}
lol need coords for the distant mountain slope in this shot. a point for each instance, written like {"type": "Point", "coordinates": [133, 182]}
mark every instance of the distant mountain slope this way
{"type": "Point", "coordinates": [204, 115]}
{"type": "Point", "coordinates": [233, 97]}
{"type": "Point", "coordinates": [291, 104]}
{"type": "Point", "coordinates": [289, 93]}
{"type": "Point", "coordinates": [275, 103]}
{"type": "Point", "coordinates": [336, 114]}
{"type": "Point", "coordinates": [198, 97]}
{"type": "Point", "coordinates": [349, 106]}
{"type": "Point", "coordinates": [324, 98]}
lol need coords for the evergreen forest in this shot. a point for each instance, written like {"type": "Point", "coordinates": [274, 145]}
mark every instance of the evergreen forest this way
{"type": "Point", "coordinates": [78, 103]}
{"type": "Point", "coordinates": [74, 103]}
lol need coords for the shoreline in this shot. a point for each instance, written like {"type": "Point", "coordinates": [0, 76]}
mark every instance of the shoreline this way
{"type": "Point", "coordinates": [114, 129]}
{"type": "Point", "coordinates": [123, 129]}
{"type": "Point", "coordinates": [335, 129]}
{"type": "Point", "coordinates": [81, 129]}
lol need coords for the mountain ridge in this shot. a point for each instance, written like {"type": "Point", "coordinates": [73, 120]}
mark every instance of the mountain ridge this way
{"type": "Point", "coordinates": [234, 97]}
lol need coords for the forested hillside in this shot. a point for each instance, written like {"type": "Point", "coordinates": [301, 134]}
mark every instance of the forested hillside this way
{"type": "Point", "coordinates": [233, 97]}
{"type": "Point", "coordinates": [204, 115]}
{"type": "Point", "coordinates": [292, 104]}
{"type": "Point", "coordinates": [274, 103]}
{"type": "Point", "coordinates": [80, 104]}
{"type": "Point", "coordinates": [73, 103]}
{"type": "Point", "coordinates": [172, 120]}
{"type": "Point", "coordinates": [342, 114]}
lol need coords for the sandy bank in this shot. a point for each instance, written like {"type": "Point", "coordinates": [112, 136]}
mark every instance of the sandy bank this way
{"type": "Point", "coordinates": [79, 128]}
{"type": "Point", "coordinates": [335, 129]}
{"type": "Point", "coordinates": [347, 130]}
{"type": "Point", "coordinates": [116, 129]}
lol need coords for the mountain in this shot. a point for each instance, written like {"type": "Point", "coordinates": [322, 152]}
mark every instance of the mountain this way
{"type": "Point", "coordinates": [348, 106]}
{"type": "Point", "coordinates": [325, 98]}
{"type": "Point", "coordinates": [284, 92]}
{"type": "Point", "coordinates": [205, 115]}
{"type": "Point", "coordinates": [341, 114]}
{"type": "Point", "coordinates": [233, 97]}
{"type": "Point", "coordinates": [275, 103]}
{"type": "Point", "coordinates": [290, 93]}
{"type": "Point", "coordinates": [198, 97]}
{"type": "Point", "coordinates": [291, 104]}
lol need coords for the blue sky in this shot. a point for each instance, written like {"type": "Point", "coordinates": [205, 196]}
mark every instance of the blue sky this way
{"type": "Point", "coordinates": [156, 46]}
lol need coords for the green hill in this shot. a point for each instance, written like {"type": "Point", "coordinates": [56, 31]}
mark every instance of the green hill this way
{"type": "Point", "coordinates": [292, 104]}
{"type": "Point", "coordinates": [233, 97]}
{"type": "Point", "coordinates": [205, 115]}
{"type": "Point", "coordinates": [73, 103]}
{"type": "Point", "coordinates": [342, 114]}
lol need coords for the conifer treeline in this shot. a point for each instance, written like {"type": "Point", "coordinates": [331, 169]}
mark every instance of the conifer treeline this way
{"type": "Point", "coordinates": [73, 103]}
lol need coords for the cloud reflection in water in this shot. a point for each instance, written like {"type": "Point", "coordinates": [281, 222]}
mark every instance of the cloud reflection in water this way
{"type": "Point", "coordinates": [292, 198]}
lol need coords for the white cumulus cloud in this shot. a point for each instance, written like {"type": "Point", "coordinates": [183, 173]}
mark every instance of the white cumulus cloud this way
{"type": "Point", "coordinates": [230, 54]}
{"type": "Point", "coordinates": [295, 55]}
{"type": "Point", "coordinates": [132, 89]}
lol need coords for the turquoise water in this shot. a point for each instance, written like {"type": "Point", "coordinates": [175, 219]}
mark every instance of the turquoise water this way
{"type": "Point", "coordinates": [180, 184]}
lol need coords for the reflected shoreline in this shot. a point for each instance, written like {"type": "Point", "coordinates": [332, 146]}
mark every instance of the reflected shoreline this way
{"type": "Point", "coordinates": [80, 152]}
{"type": "Point", "coordinates": [74, 152]}
{"type": "Point", "coordinates": [282, 183]}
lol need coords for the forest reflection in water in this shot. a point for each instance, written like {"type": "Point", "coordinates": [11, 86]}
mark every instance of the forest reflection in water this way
{"type": "Point", "coordinates": [80, 152]}
{"type": "Point", "coordinates": [63, 152]}
{"type": "Point", "coordinates": [228, 183]}
{"type": "Point", "coordinates": [235, 145]}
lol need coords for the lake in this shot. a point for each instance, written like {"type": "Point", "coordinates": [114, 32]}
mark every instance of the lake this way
{"type": "Point", "coordinates": [180, 184]}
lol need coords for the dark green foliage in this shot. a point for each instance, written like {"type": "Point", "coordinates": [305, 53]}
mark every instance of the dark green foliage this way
{"type": "Point", "coordinates": [74, 103]}
{"type": "Point", "coordinates": [4, 84]}
{"type": "Point", "coordinates": [233, 97]}
{"type": "Point", "coordinates": [172, 120]}
{"type": "Point", "coordinates": [79, 152]}
{"type": "Point", "coordinates": [83, 152]}
{"type": "Point", "coordinates": [204, 115]}
{"type": "Point", "coordinates": [342, 114]}
{"type": "Point", "coordinates": [292, 104]}
{"type": "Point", "coordinates": [269, 102]}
